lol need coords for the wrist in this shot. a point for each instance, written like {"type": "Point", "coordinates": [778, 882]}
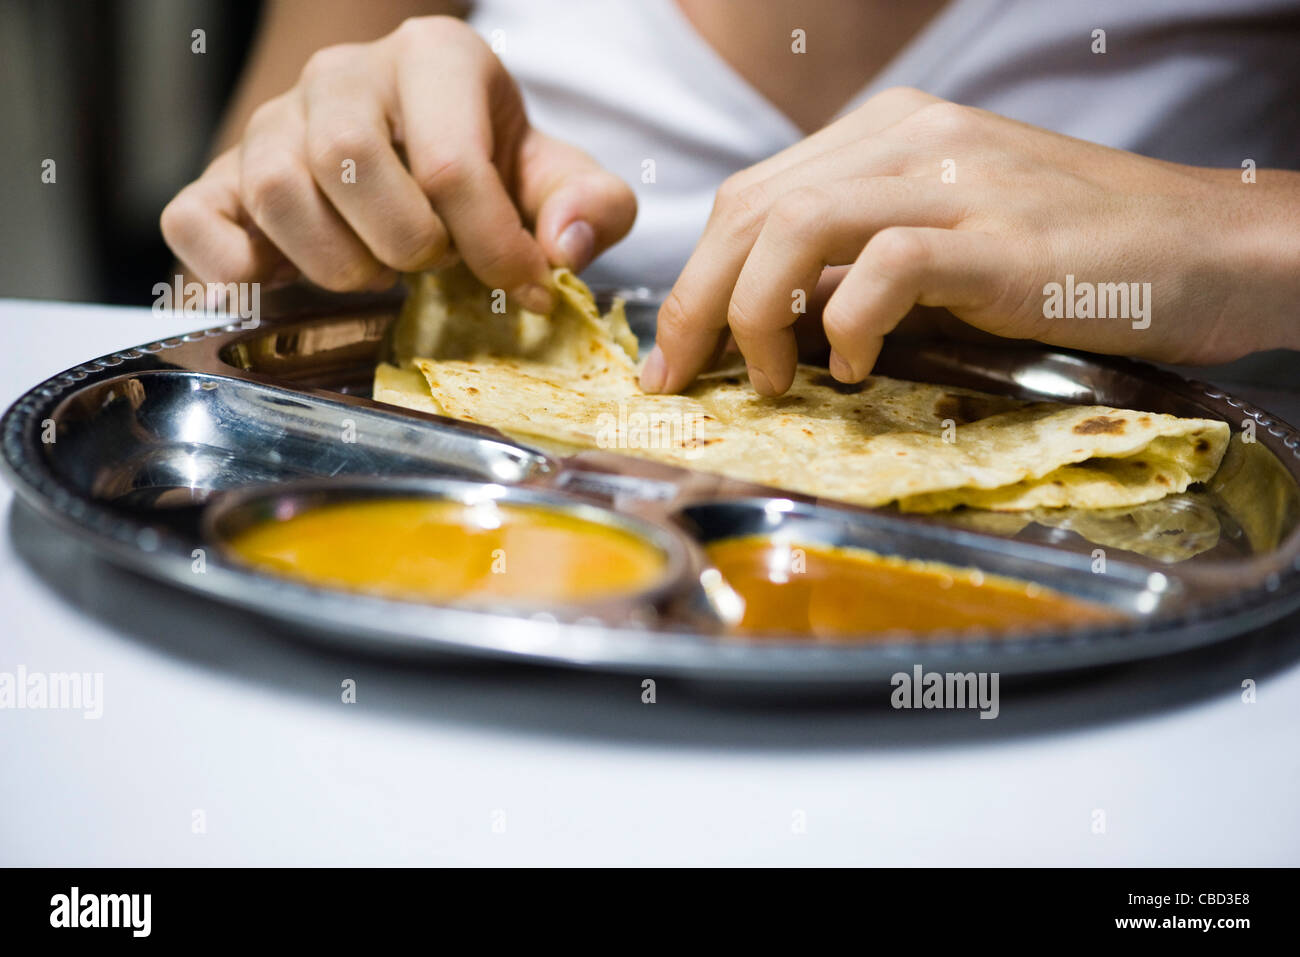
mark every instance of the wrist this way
{"type": "Point", "coordinates": [1255, 238]}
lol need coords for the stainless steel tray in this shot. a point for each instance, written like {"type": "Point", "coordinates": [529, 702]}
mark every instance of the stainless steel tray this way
{"type": "Point", "coordinates": [145, 439]}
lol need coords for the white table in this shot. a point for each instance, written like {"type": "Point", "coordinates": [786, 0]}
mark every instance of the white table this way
{"type": "Point", "coordinates": [469, 763]}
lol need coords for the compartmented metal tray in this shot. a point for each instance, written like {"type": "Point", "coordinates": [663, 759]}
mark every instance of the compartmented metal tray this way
{"type": "Point", "coordinates": [133, 452]}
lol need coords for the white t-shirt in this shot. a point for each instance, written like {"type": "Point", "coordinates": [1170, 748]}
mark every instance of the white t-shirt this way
{"type": "Point", "coordinates": [1208, 82]}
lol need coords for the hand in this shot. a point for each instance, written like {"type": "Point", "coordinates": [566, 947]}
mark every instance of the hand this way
{"type": "Point", "coordinates": [1018, 209]}
{"type": "Point", "coordinates": [445, 163]}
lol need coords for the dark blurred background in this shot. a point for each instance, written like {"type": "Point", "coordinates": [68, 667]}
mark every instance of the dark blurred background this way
{"type": "Point", "coordinates": [112, 92]}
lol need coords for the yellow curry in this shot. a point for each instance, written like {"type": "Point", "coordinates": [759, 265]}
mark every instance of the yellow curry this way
{"type": "Point", "coordinates": [826, 592]}
{"type": "Point", "coordinates": [434, 550]}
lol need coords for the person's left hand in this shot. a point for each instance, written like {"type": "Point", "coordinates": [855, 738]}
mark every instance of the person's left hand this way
{"type": "Point", "coordinates": [936, 204]}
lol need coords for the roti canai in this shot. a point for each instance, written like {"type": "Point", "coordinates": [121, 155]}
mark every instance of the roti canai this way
{"type": "Point", "coordinates": [461, 350]}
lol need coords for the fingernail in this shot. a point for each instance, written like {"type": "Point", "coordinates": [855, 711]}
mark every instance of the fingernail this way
{"type": "Point", "coordinates": [536, 298]}
{"type": "Point", "coordinates": [840, 369]}
{"type": "Point", "coordinates": [759, 380]}
{"type": "Point", "coordinates": [577, 245]}
{"type": "Point", "coordinates": [654, 372]}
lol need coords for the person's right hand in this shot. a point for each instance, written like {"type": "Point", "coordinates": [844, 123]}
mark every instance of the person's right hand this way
{"type": "Point", "coordinates": [398, 155]}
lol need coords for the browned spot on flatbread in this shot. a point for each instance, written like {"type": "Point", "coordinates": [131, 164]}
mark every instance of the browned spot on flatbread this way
{"type": "Point", "coordinates": [471, 390]}
{"type": "Point", "coordinates": [1202, 445]}
{"type": "Point", "coordinates": [1100, 425]}
{"type": "Point", "coordinates": [1162, 479]}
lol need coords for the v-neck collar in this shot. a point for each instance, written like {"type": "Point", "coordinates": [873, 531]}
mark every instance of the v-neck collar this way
{"type": "Point", "coordinates": [922, 57]}
{"type": "Point", "coordinates": [725, 82]}
{"type": "Point", "coordinates": [928, 54]}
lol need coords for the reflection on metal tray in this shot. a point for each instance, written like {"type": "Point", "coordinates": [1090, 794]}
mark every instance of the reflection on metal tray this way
{"type": "Point", "coordinates": [144, 438]}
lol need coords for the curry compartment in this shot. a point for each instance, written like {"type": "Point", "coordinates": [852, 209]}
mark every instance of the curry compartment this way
{"type": "Point", "coordinates": [445, 542]}
{"type": "Point", "coordinates": [800, 568]}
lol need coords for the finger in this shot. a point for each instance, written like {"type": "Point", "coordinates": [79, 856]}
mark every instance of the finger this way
{"type": "Point", "coordinates": [280, 195]}
{"type": "Point", "coordinates": [202, 227]}
{"type": "Point", "coordinates": [695, 312]}
{"type": "Point", "coordinates": [902, 267]}
{"type": "Point", "coordinates": [578, 207]}
{"type": "Point", "coordinates": [458, 110]}
{"type": "Point", "coordinates": [346, 98]}
{"type": "Point", "coordinates": [807, 230]}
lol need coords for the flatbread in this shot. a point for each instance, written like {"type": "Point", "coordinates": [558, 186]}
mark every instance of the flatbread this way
{"type": "Point", "coordinates": [404, 387]}
{"type": "Point", "coordinates": [571, 377]}
{"type": "Point", "coordinates": [1172, 529]}
{"type": "Point", "coordinates": [451, 315]}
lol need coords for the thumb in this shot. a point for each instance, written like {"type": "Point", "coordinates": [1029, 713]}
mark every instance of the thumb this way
{"type": "Point", "coordinates": [578, 208]}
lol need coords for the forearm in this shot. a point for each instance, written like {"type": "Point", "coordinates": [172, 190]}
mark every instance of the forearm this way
{"type": "Point", "coordinates": [292, 30]}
